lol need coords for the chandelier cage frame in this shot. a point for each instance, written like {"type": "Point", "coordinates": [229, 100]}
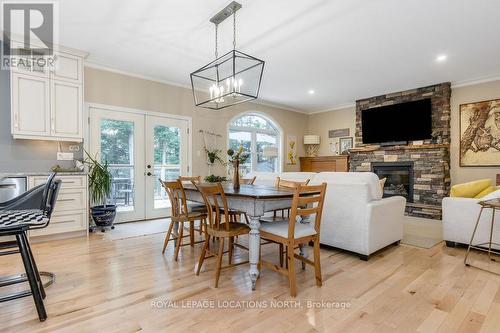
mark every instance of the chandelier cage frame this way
{"type": "Point", "coordinates": [231, 79]}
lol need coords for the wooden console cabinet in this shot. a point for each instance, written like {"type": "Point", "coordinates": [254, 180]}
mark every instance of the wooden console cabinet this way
{"type": "Point", "coordinates": [338, 163]}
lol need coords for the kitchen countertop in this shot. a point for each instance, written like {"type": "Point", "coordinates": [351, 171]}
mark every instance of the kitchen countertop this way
{"type": "Point", "coordinates": [39, 173]}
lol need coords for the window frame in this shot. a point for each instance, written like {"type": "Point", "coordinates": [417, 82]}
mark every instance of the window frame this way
{"type": "Point", "coordinates": [278, 132]}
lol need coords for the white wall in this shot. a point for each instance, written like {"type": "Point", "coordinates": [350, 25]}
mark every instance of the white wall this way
{"type": "Point", "coordinates": [105, 87]}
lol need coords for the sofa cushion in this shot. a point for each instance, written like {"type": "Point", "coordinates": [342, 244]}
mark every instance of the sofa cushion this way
{"type": "Point", "coordinates": [486, 191]}
{"type": "Point", "coordinates": [470, 189]}
{"type": "Point", "coordinates": [492, 195]}
{"type": "Point", "coordinates": [368, 178]}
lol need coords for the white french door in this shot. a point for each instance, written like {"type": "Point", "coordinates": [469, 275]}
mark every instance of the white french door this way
{"type": "Point", "coordinates": [166, 158]}
{"type": "Point", "coordinates": [140, 149]}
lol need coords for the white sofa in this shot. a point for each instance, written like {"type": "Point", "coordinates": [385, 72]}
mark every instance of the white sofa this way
{"type": "Point", "coordinates": [355, 216]}
{"type": "Point", "coordinates": [460, 216]}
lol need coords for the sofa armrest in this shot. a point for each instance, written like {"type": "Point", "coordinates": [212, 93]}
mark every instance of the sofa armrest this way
{"type": "Point", "coordinates": [386, 217]}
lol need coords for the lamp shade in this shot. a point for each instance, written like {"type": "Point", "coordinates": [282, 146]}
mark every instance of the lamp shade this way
{"type": "Point", "coordinates": [311, 139]}
{"type": "Point", "coordinates": [270, 152]}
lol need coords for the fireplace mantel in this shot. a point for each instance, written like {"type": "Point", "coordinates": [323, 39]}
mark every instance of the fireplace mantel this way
{"type": "Point", "coordinates": [400, 147]}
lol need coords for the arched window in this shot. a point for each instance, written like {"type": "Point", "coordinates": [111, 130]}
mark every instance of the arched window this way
{"type": "Point", "coordinates": [260, 137]}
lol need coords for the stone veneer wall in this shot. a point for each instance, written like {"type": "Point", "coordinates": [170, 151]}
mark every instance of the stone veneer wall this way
{"type": "Point", "coordinates": [431, 163]}
{"type": "Point", "coordinates": [431, 174]}
{"type": "Point", "coordinates": [440, 98]}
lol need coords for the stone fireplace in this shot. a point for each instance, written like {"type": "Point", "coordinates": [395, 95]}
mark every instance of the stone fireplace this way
{"type": "Point", "coordinates": [423, 170]}
{"type": "Point", "coordinates": [399, 178]}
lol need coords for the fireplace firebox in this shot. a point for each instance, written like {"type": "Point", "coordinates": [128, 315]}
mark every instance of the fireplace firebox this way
{"type": "Point", "coordinates": [399, 178]}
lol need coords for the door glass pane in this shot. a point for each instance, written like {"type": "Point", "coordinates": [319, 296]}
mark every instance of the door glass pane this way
{"type": "Point", "coordinates": [267, 152]}
{"type": "Point", "coordinates": [117, 148]}
{"type": "Point", "coordinates": [240, 138]}
{"type": "Point", "coordinates": [167, 162]}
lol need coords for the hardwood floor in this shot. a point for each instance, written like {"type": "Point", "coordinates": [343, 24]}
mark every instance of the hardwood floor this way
{"type": "Point", "coordinates": [106, 285]}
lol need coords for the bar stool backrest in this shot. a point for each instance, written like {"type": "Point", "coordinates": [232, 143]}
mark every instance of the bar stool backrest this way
{"type": "Point", "coordinates": [46, 191]}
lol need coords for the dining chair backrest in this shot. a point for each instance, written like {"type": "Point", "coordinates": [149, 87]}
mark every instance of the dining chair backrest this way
{"type": "Point", "coordinates": [177, 197]}
{"type": "Point", "coordinates": [289, 183]}
{"type": "Point", "coordinates": [216, 204]}
{"type": "Point", "coordinates": [248, 181]}
{"type": "Point", "coordinates": [307, 200]}
{"type": "Point", "coordinates": [191, 179]}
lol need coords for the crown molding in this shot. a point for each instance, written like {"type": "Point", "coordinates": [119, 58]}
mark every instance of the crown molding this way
{"type": "Point", "coordinates": [473, 82]}
{"type": "Point", "coordinates": [95, 65]}
{"type": "Point", "coordinates": [335, 108]}
{"type": "Point", "coordinates": [277, 106]}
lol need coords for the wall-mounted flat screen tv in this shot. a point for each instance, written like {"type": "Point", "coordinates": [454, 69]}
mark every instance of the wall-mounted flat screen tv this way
{"type": "Point", "coordinates": [394, 124]}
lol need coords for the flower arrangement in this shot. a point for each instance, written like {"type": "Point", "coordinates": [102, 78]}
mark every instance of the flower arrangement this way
{"type": "Point", "coordinates": [240, 156]}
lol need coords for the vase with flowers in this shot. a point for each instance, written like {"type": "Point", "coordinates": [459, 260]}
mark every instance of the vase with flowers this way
{"type": "Point", "coordinates": [236, 158]}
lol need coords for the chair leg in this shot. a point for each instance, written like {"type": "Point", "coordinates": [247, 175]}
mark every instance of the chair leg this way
{"type": "Point", "coordinates": [246, 218]}
{"type": "Point", "coordinates": [35, 290]}
{"type": "Point", "coordinates": [291, 270]}
{"type": "Point", "coordinates": [191, 233]}
{"type": "Point", "coordinates": [202, 255]}
{"type": "Point", "coordinates": [286, 257]}
{"type": "Point", "coordinates": [167, 238]}
{"type": "Point", "coordinates": [281, 254]}
{"type": "Point", "coordinates": [317, 263]}
{"type": "Point", "coordinates": [179, 242]}
{"type": "Point", "coordinates": [35, 269]}
{"type": "Point", "coordinates": [230, 248]}
{"type": "Point", "coordinates": [219, 261]}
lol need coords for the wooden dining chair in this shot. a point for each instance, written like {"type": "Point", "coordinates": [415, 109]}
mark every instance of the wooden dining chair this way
{"type": "Point", "coordinates": [215, 226]}
{"type": "Point", "coordinates": [284, 213]}
{"type": "Point", "coordinates": [248, 181]}
{"type": "Point", "coordinates": [235, 214]}
{"type": "Point", "coordinates": [193, 206]}
{"type": "Point", "coordinates": [181, 215]}
{"type": "Point", "coordinates": [307, 200]}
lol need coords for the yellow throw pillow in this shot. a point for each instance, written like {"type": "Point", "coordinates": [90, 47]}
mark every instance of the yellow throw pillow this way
{"type": "Point", "coordinates": [470, 189]}
{"type": "Point", "coordinates": [487, 191]}
{"type": "Point", "coordinates": [382, 183]}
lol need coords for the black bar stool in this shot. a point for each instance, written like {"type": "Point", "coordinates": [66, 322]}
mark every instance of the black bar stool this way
{"type": "Point", "coordinates": [32, 210]}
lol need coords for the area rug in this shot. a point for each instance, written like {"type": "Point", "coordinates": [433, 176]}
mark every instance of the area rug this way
{"type": "Point", "coordinates": [422, 232]}
{"type": "Point", "coordinates": [136, 229]}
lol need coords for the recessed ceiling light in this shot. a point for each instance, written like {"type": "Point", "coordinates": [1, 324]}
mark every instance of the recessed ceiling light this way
{"type": "Point", "coordinates": [311, 92]}
{"type": "Point", "coordinates": [441, 58]}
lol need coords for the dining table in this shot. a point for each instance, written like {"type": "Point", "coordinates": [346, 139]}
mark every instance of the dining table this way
{"type": "Point", "coordinates": [255, 201]}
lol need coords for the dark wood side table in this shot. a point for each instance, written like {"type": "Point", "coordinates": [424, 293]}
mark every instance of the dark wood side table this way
{"type": "Point", "coordinates": [494, 205]}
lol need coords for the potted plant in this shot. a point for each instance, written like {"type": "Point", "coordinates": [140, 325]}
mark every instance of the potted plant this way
{"type": "Point", "coordinates": [213, 155]}
{"type": "Point", "coordinates": [215, 179]}
{"type": "Point", "coordinates": [236, 158]}
{"type": "Point", "coordinates": [100, 180]}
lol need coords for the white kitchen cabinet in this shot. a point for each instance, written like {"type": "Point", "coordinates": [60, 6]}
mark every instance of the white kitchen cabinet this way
{"type": "Point", "coordinates": [71, 211]}
{"type": "Point", "coordinates": [47, 103]}
{"type": "Point", "coordinates": [67, 67]}
{"type": "Point", "coordinates": [30, 105]}
{"type": "Point", "coordinates": [66, 110]}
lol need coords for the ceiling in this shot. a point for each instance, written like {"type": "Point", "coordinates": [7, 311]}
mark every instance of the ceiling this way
{"type": "Point", "coordinates": [342, 49]}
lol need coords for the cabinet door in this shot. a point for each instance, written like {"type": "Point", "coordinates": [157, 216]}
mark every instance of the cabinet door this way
{"type": "Point", "coordinates": [29, 61]}
{"type": "Point", "coordinates": [67, 67]}
{"type": "Point", "coordinates": [30, 105]}
{"type": "Point", "coordinates": [66, 112]}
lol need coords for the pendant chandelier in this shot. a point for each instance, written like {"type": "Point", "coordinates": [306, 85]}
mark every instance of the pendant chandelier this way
{"type": "Point", "coordinates": [230, 79]}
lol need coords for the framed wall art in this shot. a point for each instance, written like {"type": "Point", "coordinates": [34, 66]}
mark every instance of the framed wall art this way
{"type": "Point", "coordinates": [480, 134]}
